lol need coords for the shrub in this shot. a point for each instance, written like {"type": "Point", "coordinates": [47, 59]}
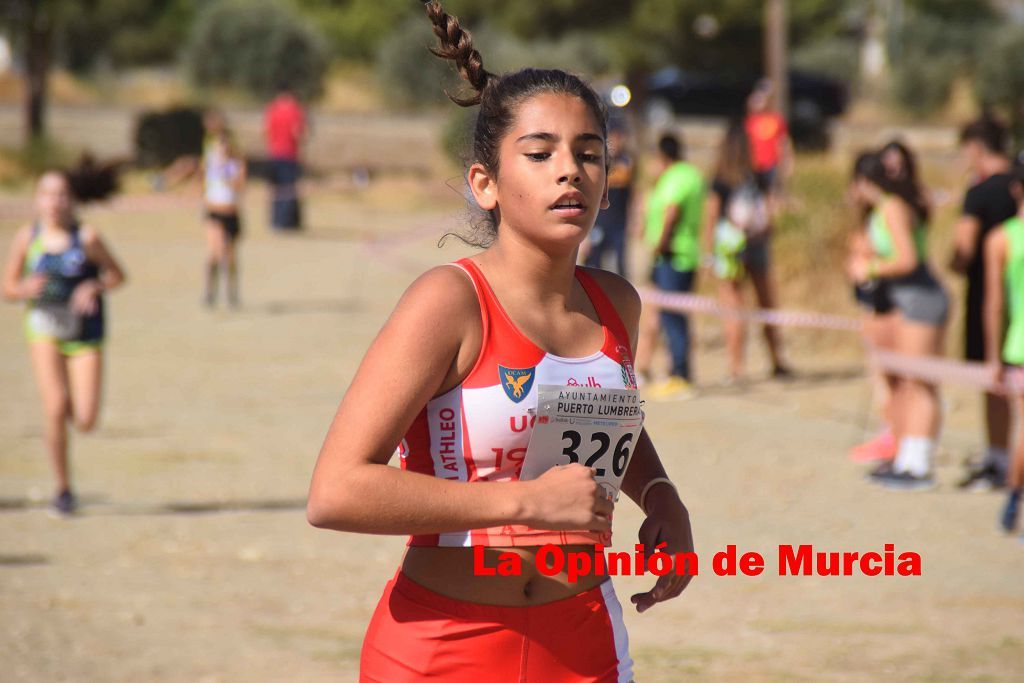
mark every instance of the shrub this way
{"type": "Point", "coordinates": [457, 135]}
{"type": "Point", "coordinates": [999, 79]}
{"type": "Point", "coordinates": [933, 51]}
{"type": "Point", "coordinates": [163, 136]}
{"type": "Point", "coordinates": [256, 45]}
{"type": "Point", "coordinates": [412, 77]}
{"type": "Point", "coordinates": [838, 58]}
{"type": "Point", "coordinates": [923, 84]}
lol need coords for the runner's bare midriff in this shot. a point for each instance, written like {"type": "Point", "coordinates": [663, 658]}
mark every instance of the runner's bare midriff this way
{"type": "Point", "coordinates": [449, 571]}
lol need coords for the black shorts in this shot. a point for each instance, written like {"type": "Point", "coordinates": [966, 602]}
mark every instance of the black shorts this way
{"type": "Point", "coordinates": [229, 223]}
{"type": "Point", "coordinates": [974, 324]}
{"type": "Point", "coordinates": [874, 297]}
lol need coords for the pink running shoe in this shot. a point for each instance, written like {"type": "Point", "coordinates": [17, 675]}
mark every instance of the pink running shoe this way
{"type": "Point", "coordinates": [881, 447]}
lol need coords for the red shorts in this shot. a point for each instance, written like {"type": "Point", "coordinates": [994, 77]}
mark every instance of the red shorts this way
{"type": "Point", "coordinates": [419, 635]}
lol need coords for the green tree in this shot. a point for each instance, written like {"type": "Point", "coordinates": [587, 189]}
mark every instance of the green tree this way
{"type": "Point", "coordinates": [355, 29]}
{"type": "Point", "coordinates": [77, 33]}
{"type": "Point", "coordinates": [33, 25]}
{"type": "Point", "coordinates": [257, 45]}
{"type": "Point", "coordinates": [999, 80]}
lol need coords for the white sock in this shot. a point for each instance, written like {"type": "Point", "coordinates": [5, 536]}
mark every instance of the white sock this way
{"type": "Point", "coordinates": [915, 455]}
{"type": "Point", "coordinates": [998, 457]}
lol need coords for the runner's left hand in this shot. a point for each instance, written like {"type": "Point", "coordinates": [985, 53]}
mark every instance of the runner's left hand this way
{"type": "Point", "coordinates": [84, 299]}
{"type": "Point", "coordinates": [668, 523]}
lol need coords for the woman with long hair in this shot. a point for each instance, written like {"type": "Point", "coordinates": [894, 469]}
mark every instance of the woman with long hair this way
{"type": "Point", "coordinates": [739, 226]}
{"type": "Point", "coordinates": [879, 316]}
{"type": "Point", "coordinates": [898, 232]}
{"type": "Point", "coordinates": [61, 267]}
{"type": "Point", "coordinates": [451, 381]}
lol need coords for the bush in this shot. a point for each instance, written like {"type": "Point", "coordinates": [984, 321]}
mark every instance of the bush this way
{"type": "Point", "coordinates": [578, 52]}
{"type": "Point", "coordinates": [356, 28]}
{"type": "Point", "coordinates": [412, 77]}
{"type": "Point", "coordinates": [161, 137]}
{"type": "Point", "coordinates": [36, 156]}
{"type": "Point", "coordinates": [922, 85]}
{"type": "Point", "coordinates": [838, 58]}
{"type": "Point", "coordinates": [457, 136]}
{"type": "Point", "coordinates": [933, 52]}
{"type": "Point", "coordinates": [256, 45]}
{"type": "Point", "coordinates": [999, 79]}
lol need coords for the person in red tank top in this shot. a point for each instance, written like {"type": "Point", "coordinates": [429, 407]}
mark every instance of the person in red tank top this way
{"type": "Point", "coordinates": [771, 151]}
{"type": "Point", "coordinates": [285, 128]}
{"type": "Point", "coordinates": [448, 385]}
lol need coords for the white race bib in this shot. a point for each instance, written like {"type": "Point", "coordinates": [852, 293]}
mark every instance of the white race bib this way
{"type": "Point", "coordinates": [595, 427]}
{"type": "Point", "coordinates": [55, 320]}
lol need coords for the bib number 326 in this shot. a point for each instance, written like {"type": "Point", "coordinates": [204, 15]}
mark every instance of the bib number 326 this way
{"type": "Point", "coordinates": [601, 442]}
{"type": "Point", "coordinates": [591, 426]}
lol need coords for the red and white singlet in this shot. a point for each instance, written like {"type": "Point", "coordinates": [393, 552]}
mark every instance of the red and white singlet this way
{"type": "Point", "coordinates": [479, 430]}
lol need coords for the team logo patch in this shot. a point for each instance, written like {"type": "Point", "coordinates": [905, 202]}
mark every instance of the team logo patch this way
{"type": "Point", "coordinates": [516, 381]}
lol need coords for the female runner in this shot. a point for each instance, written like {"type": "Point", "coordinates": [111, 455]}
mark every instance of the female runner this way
{"type": "Point", "coordinates": [450, 379]}
{"type": "Point", "coordinates": [61, 268]}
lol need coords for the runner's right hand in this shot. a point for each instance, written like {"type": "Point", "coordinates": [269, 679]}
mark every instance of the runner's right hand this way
{"type": "Point", "coordinates": [567, 498]}
{"type": "Point", "coordinates": [32, 286]}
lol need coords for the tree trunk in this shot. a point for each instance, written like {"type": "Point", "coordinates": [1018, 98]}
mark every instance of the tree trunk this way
{"type": "Point", "coordinates": [38, 37]}
{"type": "Point", "coordinates": [776, 22]}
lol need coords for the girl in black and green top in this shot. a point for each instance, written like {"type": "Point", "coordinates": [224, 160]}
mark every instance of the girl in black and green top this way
{"type": "Point", "coordinates": [897, 233]}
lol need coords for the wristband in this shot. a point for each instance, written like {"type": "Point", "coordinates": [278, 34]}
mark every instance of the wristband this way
{"type": "Point", "coordinates": [652, 482]}
{"type": "Point", "coordinates": [873, 269]}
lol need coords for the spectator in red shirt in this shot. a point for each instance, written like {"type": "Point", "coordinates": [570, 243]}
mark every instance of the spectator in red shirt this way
{"type": "Point", "coordinates": [771, 151]}
{"type": "Point", "coordinates": [285, 128]}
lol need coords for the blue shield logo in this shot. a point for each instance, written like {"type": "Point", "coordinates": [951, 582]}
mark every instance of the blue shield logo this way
{"type": "Point", "coordinates": [516, 381]}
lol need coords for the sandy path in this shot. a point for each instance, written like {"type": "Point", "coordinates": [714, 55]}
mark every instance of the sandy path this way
{"type": "Point", "coordinates": [192, 559]}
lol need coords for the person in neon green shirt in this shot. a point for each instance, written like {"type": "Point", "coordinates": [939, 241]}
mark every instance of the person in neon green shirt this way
{"type": "Point", "coordinates": [672, 230]}
{"type": "Point", "coordinates": [1003, 316]}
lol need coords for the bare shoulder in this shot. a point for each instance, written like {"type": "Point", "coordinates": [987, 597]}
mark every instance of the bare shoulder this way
{"type": "Point", "coordinates": [621, 293]}
{"type": "Point", "coordinates": [89, 234]}
{"type": "Point", "coordinates": [446, 285]}
{"type": "Point", "coordinates": [898, 208]}
{"type": "Point", "coordinates": [22, 235]}
{"type": "Point", "coordinates": [443, 298]}
{"type": "Point", "coordinates": [996, 241]}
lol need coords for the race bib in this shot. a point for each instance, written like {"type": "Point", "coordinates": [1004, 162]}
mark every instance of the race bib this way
{"type": "Point", "coordinates": [55, 320]}
{"type": "Point", "coordinates": [595, 427]}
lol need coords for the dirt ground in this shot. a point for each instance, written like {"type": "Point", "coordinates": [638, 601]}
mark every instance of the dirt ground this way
{"type": "Point", "coordinates": [191, 559]}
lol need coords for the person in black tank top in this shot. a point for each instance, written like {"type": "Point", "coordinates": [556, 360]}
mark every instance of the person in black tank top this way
{"type": "Point", "coordinates": [987, 204]}
{"type": "Point", "coordinates": [60, 269]}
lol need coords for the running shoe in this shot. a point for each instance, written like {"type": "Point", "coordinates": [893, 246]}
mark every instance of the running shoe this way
{"type": "Point", "coordinates": [888, 477]}
{"type": "Point", "coordinates": [984, 477]}
{"type": "Point", "coordinates": [1010, 512]}
{"type": "Point", "coordinates": [882, 447]}
{"type": "Point", "coordinates": [63, 504]}
{"type": "Point", "coordinates": [783, 372]}
{"type": "Point", "coordinates": [672, 389]}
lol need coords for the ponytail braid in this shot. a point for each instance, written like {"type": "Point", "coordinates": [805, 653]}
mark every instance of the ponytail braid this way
{"type": "Point", "coordinates": [457, 46]}
{"type": "Point", "coordinates": [499, 96]}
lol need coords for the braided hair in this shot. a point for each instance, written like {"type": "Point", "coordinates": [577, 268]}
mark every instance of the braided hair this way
{"type": "Point", "coordinates": [498, 96]}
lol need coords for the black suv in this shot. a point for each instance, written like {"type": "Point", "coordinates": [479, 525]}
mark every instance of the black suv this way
{"type": "Point", "coordinates": [814, 98]}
